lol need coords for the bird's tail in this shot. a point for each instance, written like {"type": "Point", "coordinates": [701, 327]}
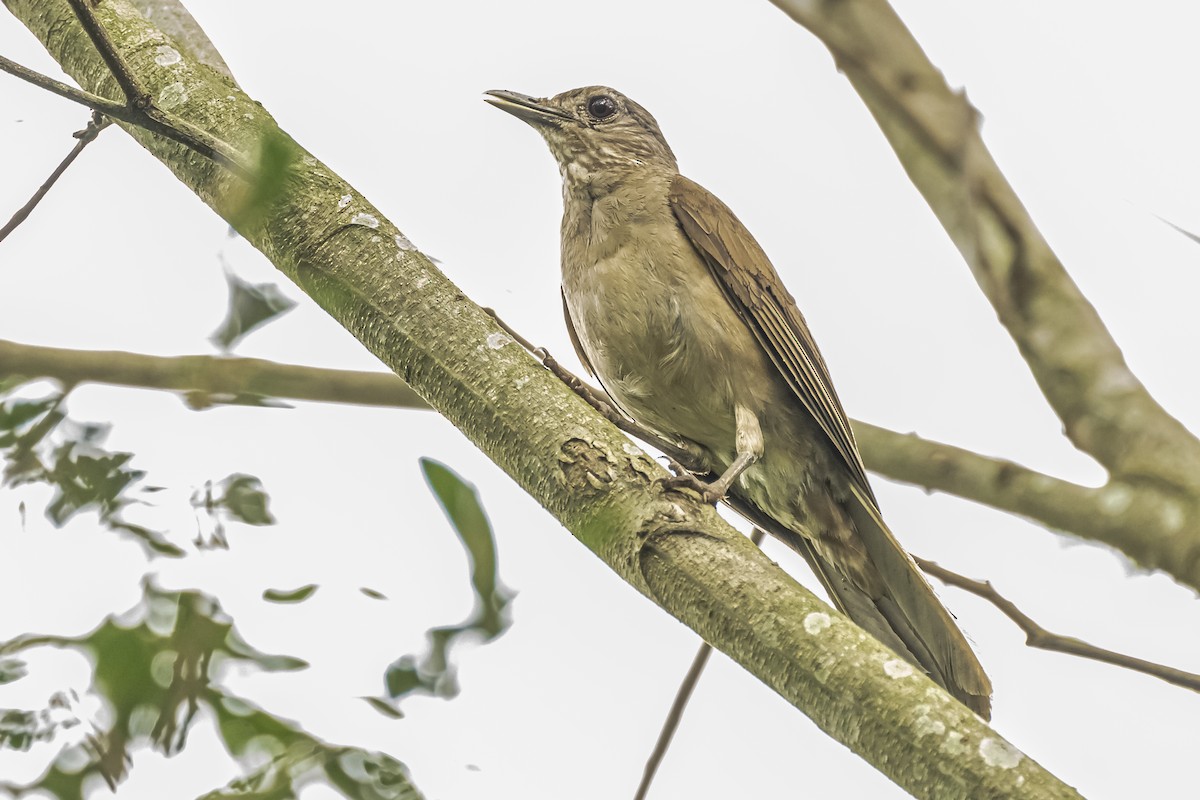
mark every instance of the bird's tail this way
{"type": "Point", "coordinates": [906, 616]}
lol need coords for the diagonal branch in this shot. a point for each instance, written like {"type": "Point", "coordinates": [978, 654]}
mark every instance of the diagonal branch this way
{"type": "Point", "coordinates": [1105, 410]}
{"type": "Point", "coordinates": [1150, 524]}
{"type": "Point", "coordinates": [136, 95]}
{"type": "Point", "coordinates": [1039, 637]}
{"type": "Point", "coordinates": [934, 130]}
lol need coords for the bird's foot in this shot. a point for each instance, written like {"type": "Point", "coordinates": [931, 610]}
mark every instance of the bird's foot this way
{"type": "Point", "coordinates": [684, 481]}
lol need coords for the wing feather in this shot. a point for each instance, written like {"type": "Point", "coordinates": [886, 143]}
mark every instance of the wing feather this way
{"type": "Point", "coordinates": [753, 288]}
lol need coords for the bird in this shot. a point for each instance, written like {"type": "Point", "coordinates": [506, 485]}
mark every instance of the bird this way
{"type": "Point", "coordinates": [675, 309]}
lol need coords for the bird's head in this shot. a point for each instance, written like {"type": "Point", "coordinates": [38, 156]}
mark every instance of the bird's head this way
{"type": "Point", "coordinates": [592, 131]}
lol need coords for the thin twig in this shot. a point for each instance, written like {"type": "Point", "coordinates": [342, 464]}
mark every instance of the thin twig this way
{"type": "Point", "coordinates": [207, 381]}
{"type": "Point", "coordinates": [153, 119]}
{"type": "Point", "coordinates": [135, 93]}
{"type": "Point", "coordinates": [1039, 637]}
{"type": "Point", "coordinates": [109, 108]}
{"type": "Point", "coordinates": [86, 136]}
{"type": "Point", "coordinates": [682, 696]}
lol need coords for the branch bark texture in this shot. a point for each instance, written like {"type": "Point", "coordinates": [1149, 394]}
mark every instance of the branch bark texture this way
{"type": "Point", "coordinates": [1106, 411]}
{"type": "Point", "coordinates": [341, 250]}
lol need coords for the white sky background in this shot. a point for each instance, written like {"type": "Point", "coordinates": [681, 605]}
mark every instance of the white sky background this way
{"type": "Point", "coordinates": [1090, 113]}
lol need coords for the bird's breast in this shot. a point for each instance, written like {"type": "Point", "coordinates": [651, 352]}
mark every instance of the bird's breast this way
{"type": "Point", "coordinates": [657, 329]}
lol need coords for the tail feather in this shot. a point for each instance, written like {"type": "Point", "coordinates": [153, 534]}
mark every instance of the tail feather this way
{"type": "Point", "coordinates": [907, 617]}
{"type": "Point", "coordinates": [916, 614]}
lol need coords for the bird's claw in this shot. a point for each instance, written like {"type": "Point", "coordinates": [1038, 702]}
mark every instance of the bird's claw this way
{"type": "Point", "coordinates": [683, 480]}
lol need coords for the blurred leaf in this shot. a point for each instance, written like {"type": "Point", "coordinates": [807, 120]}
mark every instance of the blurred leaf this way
{"type": "Point", "coordinates": [166, 657]}
{"type": "Point", "coordinates": [374, 594]}
{"type": "Point", "coordinates": [461, 503]}
{"type": "Point", "coordinates": [385, 707]}
{"type": "Point", "coordinates": [16, 416]}
{"type": "Point", "coordinates": [9, 382]}
{"type": "Point", "coordinates": [153, 541]}
{"type": "Point", "coordinates": [20, 730]}
{"type": "Point", "coordinates": [369, 776]}
{"type": "Point", "coordinates": [86, 480]}
{"type": "Point", "coordinates": [357, 774]}
{"type": "Point", "coordinates": [24, 424]}
{"type": "Point", "coordinates": [42, 445]}
{"type": "Point", "coordinates": [434, 673]}
{"type": "Point", "coordinates": [250, 306]}
{"type": "Point", "coordinates": [294, 596]}
{"type": "Point", "coordinates": [12, 669]}
{"type": "Point", "coordinates": [403, 677]}
{"type": "Point", "coordinates": [243, 497]}
{"type": "Point", "coordinates": [200, 400]}
{"type": "Point", "coordinates": [276, 154]}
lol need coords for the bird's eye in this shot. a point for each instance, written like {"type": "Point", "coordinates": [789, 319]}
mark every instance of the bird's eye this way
{"type": "Point", "coordinates": [601, 106]}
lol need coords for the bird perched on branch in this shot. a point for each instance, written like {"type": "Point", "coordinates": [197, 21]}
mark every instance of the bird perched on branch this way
{"type": "Point", "coordinates": [677, 311]}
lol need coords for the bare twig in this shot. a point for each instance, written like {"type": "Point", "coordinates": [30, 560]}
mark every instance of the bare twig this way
{"type": "Point", "coordinates": [86, 136]}
{"type": "Point", "coordinates": [671, 724]}
{"type": "Point", "coordinates": [934, 130]}
{"type": "Point", "coordinates": [154, 120]}
{"type": "Point", "coordinates": [108, 108]}
{"type": "Point", "coordinates": [135, 93]}
{"type": "Point", "coordinates": [682, 696]}
{"type": "Point", "coordinates": [1039, 637]}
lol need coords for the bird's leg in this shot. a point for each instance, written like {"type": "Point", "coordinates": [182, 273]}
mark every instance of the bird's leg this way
{"type": "Point", "coordinates": [748, 441]}
{"type": "Point", "coordinates": [682, 457]}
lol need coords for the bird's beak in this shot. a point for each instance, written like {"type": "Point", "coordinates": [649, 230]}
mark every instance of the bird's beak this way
{"type": "Point", "coordinates": [522, 106]}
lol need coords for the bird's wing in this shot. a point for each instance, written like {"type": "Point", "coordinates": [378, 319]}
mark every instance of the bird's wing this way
{"type": "Point", "coordinates": [753, 288]}
{"type": "Point", "coordinates": [907, 615]}
{"type": "Point", "coordinates": [583, 359]}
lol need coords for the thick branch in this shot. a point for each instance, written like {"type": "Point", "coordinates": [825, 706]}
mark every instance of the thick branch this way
{"type": "Point", "coordinates": [362, 270]}
{"type": "Point", "coordinates": [934, 130]}
{"type": "Point", "coordinates": [170, 17]}
{"type": "Point", "coordinates": [1150, 524]}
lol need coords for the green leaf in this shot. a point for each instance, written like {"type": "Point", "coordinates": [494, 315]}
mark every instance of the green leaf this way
{"type": "Point", "coordinates": [12, 669]}
{"type": "Point", "coordinates": [250, 306]}
{"type": "Point", "coordinates": [245, 500]}
{"type": "Point", "coordinates": [268, 186]}
{"type": "Point", "coordinates": [293, 596]}
{"type": "Point", "coordinates": [461, 503]}
{"type": "Point", "coordinates": [153, 541]}
{"type": "Point", "coordinates": [86, 478]}
{"type": "Point", "coordinates": [385, 706]}
{"type": "Point", "coordinates": [433, 673]}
